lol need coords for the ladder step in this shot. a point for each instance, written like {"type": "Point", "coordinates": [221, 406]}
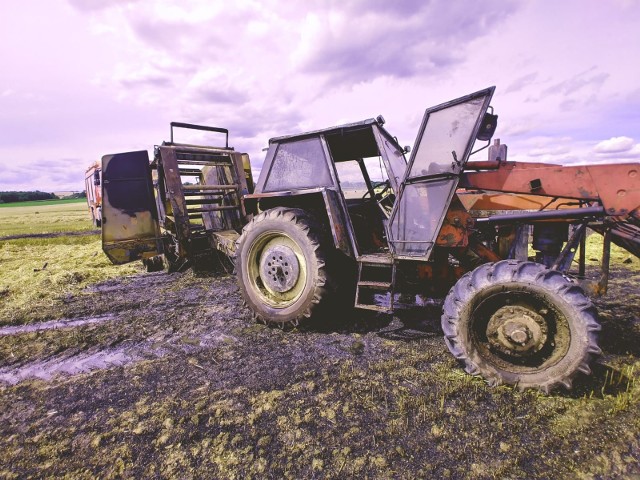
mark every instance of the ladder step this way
{"type": "Point", "coordinates": [201, 156]}
{"type": "Point", "coordinates": [212, 193]}
{"type": "Point", "coordinates": [202, 201]}
{"type": "Point", "coordinates": [204, 163]}
{"type": "Point", "coordinates": [210, 187]}
{"type": "Point", "coordinates": [375, 308]}
{"type": "Point", "coordinates": [214, 209]}
{"type": "Point", "coordinates": [375, 285]}
{"type": "Point", "coordinates": [373, 259]}
{"type": "Point", "coordinates": [195, 172]}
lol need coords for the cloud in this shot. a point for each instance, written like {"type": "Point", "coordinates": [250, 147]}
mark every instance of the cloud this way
{"type": "Point", "coordinates": [521, 82]}
{"type": "Point", "coordinates": [118, 71]}
{"type": "Point", "coordinates": [357, 44]}
{"type": "Point", "coordinates": [95, 5]}
{"type": "Point", "coordinates": [45, 175]}
{"type": "Point", "coordinates": [549, 151]}
{"type": "Point", "coordinates": [618, 148]}
{"type": "Point", "coordinates": [614, 145]}
{"type": "Point", "coordinates": [577, 83]}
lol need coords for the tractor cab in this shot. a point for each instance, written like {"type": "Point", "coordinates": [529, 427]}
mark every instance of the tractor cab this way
{"type": "Point", "coordinates": [376, 202]}
{"type": "Point", "coordinates": [381, 211]}
{"type": "Point", "coordinates": [350, 174]}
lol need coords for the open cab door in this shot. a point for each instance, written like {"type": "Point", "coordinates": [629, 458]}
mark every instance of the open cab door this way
{"type": "Point", "coordinates": [130, 229]}
{"type": "Point", "coordinates": [441, 150]}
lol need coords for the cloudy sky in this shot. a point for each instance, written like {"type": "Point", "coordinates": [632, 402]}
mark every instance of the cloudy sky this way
{"type": "Point", "coordinates": [83, 78]}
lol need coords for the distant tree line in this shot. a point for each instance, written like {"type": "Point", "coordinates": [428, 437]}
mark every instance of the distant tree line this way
{"type": "Point", "coordinates": [10, 197]}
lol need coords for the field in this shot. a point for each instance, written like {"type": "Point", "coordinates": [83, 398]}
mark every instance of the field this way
{"type": "Point", "coordinates": [43, 203]}
{"type": "Point", "coordinates": [113, 372]}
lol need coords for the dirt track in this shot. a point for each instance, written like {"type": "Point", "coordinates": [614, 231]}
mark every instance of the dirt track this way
{"type": "Point", "coordinates": [80, 233]}
{"type": "Point", "coordinates": [167, 375]}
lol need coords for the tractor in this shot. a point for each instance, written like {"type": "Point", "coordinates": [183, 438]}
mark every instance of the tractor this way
{"type": "Point", "coordinates": [341, 218]}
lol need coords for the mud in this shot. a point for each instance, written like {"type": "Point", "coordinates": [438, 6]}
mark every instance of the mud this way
{"type": "Point", "coordinates": [54, 324]}
{"type": "Point", "coordinates": [82, 233]}
{"type": "Point", "coordinates": [166, 375]}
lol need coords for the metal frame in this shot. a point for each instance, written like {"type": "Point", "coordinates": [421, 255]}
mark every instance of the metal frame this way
{"type": "Point", "coordinates": [455, 174]}
{"type": "Point", "coordinates": [201, 127]}
{"type": "Point", "coordinates": [337, 223]}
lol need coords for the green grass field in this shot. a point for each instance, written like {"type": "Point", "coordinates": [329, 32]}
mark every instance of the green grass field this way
{"type": "Point", "coordinates": [37, 272]}
{"type": "Point", "coordinates": [39, 203]}
{"type": "Point", "coordinates": [44, 217]}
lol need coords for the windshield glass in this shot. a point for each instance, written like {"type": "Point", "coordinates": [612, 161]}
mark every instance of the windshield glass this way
{"type": "Point", "coordinates": [352, 180]}
{"type": "Point", "coordinates": [445, 138]}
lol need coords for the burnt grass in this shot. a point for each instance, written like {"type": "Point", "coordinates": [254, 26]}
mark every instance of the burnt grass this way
{"type": "Point", "coordinates": [198, 390]}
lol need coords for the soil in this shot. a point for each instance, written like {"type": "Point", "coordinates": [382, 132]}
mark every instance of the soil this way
{"type": "Point", "coordinates": [167, 375]}
{"type": "Point", "coordinates": [81, 233]}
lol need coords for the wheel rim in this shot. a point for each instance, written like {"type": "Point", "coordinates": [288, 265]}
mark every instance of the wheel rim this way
{"type": "Point", "coordinates": [277, 269]}
{"type": "Point", "coordinates": [520, 331]}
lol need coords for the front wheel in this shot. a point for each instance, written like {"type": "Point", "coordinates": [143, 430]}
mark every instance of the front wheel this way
{"type": "Point", "coordinates": [520, 324]}
{"type": "Point", "coordinates": [280, 267]}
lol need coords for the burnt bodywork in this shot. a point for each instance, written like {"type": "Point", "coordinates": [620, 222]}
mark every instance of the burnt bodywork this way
{"type": "Point", "coordinates": [307, 167]}
{"type": "Point", "coordinates": [427, 219]}
{"type": "Point", "coordinates": [186, 203]}
{"type": "Point", "coordinates": [130, 220]}
{"type": "Point", "coordinates": [341, 212]}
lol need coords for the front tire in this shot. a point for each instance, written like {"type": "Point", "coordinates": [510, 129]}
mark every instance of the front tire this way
{"type": "Point", "coordinates": [280, 266]}
{"type": "Point", "coordinates": [520, 324]}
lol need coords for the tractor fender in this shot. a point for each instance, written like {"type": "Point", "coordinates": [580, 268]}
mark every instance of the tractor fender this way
{"type": "Point", "coordinates": [324, 203]}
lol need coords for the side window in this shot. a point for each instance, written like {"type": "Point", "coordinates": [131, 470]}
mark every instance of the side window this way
{"type": "Point", "coordinates": [396, 161]}
{"type": "Point", "coordinates": [351, 179]}
{"type": "Point", "coordinates": [299, 164]}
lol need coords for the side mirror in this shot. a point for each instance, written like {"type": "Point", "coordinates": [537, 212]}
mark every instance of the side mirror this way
{"type": "Point", "coordinates": [488, 127]}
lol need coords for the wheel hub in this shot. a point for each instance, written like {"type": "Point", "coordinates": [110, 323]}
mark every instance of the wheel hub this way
{"type": "Point", "coordinates": [517, 331]}
{"type": "Point", "coordinates": [279, 268]}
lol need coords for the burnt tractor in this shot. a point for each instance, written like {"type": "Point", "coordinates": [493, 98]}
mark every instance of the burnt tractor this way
{"type": "Point", "coordinates": [339, 218]}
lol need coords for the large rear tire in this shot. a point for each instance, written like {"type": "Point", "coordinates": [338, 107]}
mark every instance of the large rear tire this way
{"type": "Point", "coordinates": [281, 268]}
{"type": "Point", "coordinates": [520, 324]}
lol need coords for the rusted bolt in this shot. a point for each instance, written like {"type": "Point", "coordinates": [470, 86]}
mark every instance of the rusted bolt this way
{"type": "Point", "coordinates": [519, 336]}
{"type": "Point", "coordinates": [517, 333]}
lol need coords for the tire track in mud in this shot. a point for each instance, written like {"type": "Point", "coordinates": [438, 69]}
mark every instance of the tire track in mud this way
{"type": "Point", "coordinates": [102, 359]}
{"type": "Point", "coordinates": [152, 316]}
{"type": "Point", "coordinates": [120, 308]}
{"type": "Point", "coordinates": [54, 325]}
{"type": "Point", "coordinates": [81, 233]}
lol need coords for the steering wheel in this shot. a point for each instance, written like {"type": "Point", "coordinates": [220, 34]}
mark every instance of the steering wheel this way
{"type": "Point", "coordinates": [379, 196]}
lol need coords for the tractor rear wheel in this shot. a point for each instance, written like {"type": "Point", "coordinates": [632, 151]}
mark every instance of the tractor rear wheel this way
{"type": "Point", "coordinates": [520, 324]}
{"type": "Point", "coordinates": [280, 267]}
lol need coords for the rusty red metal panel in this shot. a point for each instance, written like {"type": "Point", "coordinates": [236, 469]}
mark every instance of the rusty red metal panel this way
{"type": "Point", "coordinates": [453, 232]}
{"type": "Point", "coordinates": [508, 201]}
{"type": "Point", "coordinates": [616, 186]}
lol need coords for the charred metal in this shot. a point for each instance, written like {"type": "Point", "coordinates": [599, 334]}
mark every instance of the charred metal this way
{"type": "Point", "coordinates": [343, 212]}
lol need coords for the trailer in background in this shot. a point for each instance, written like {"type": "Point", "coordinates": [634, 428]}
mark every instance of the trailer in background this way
{"type": "Point", "coordinates": [93, 189]}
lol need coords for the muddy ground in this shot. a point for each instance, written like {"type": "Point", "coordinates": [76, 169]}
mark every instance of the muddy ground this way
{"type": "Point", "coordinates": [166, 375]}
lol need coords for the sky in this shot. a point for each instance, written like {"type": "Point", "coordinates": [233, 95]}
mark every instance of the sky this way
{"type": "Point", "coordinates": [85, 78]}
